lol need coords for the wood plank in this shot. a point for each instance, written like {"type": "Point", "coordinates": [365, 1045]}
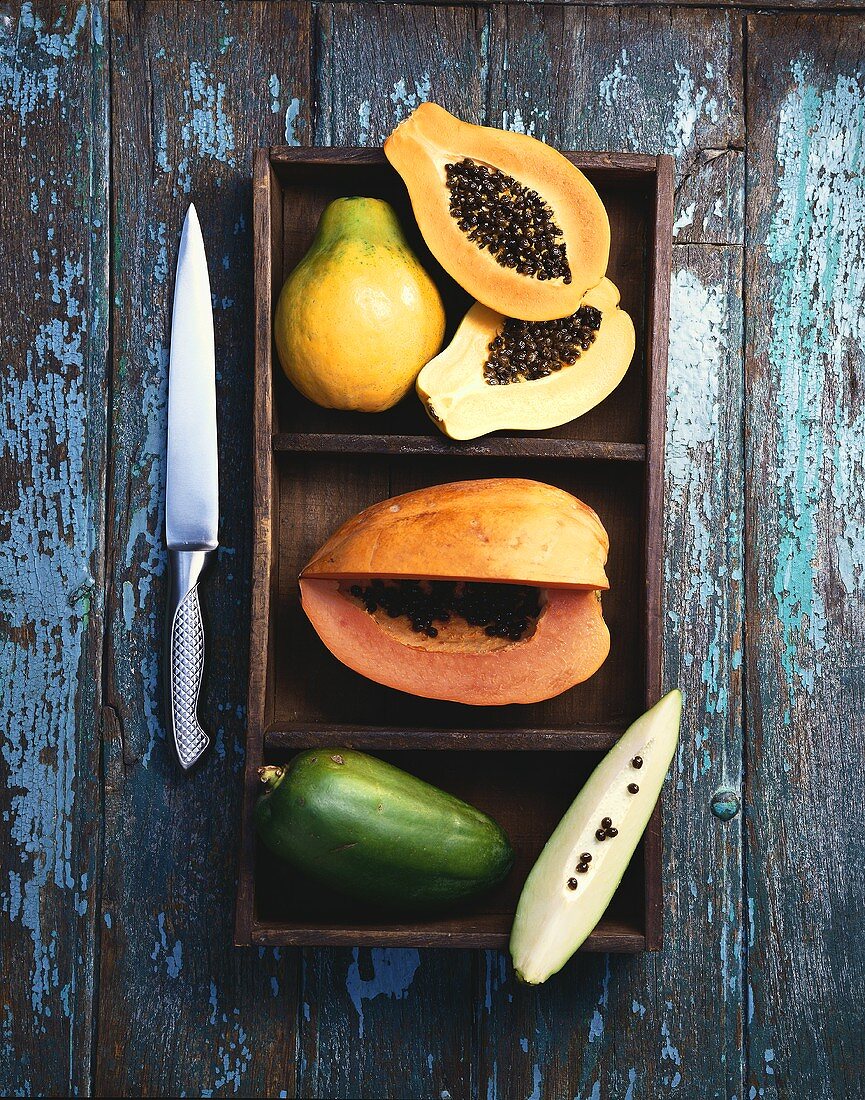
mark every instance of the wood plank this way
{"type": "Point", "coordinates": [649, 80]}
{"type": "Point", "coordinates": [780, 5]}
{"type": "Point", "coordinates": [597, 1029]}
{"type": "Point", "coordinates": [53, 342]}
{"type": "Point", "coordinates": [181, 1010]}
{"type": "Point", "coordinates": [805, 448]}
{"type": "Point", "coordinates": [375, 64]}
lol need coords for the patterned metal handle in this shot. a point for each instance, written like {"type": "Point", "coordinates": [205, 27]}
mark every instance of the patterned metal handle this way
{"type": "Point", "coordinates": [185, 656]}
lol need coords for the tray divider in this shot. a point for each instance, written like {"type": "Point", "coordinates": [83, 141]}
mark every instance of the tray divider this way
{"type": "Point", "coordinates": [497, 447]}
{"type": "Point", "coordinates": [285, 736]}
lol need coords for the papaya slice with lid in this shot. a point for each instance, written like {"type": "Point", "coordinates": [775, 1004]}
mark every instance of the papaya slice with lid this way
{"type": "Point", "coordinates": [497, 373]}
{"type": "Point", "coordinates": [507, 530]}
{"type": "Point", "coordinates": [509, 218]}
{"type": "Point", "coordinates": [480, 592]}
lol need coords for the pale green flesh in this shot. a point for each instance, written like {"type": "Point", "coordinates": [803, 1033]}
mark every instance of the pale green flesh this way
{"type": "Point", "coordinates": [552, 921]}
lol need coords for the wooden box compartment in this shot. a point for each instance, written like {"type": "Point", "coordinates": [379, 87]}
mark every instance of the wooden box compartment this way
{"type": "Point", "coordinates": [313, 468]}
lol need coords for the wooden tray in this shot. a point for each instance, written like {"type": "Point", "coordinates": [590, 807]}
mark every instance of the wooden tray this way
{"type": "Point", "coordinates": [313, 468]}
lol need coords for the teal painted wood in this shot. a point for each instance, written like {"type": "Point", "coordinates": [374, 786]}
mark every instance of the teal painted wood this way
{"type": "Point", "coordinates": [53, 341]}
{"type": "Point", "coordinates": [805, 447]}
{"type": "Point", "coordinates": [180, 1009]}
{"type": "Point", "coordinates": [648, 1026]}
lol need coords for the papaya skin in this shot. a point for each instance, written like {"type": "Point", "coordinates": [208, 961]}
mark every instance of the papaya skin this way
{"type": "Point", "coordinates": [379, 835]}
{"type": "Point", "coordinates": [511, 530]}
{"type": "Point", "coordinates": [429, 139]}
{"type": "Point", "coordinates": [462, 405]}
{"type": "Point", "coordinates": [358, 317]}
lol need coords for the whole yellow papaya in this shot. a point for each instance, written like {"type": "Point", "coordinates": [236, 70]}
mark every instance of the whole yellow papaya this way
{"type": "Point", "coordinates": [358, 317]}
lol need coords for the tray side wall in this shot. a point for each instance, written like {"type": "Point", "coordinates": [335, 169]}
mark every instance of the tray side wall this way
{"type": "Point", "coordinates": [656, 425]}
{"type": "Point", "coordinates": [267, 232]}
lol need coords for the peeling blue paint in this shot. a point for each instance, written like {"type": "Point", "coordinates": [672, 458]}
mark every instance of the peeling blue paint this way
{"type": "Point", "coordinates": [233, 1054]}
{"type": "Point", "coordinates": [47, 545]}
{"type": "Point", "coordinates": [393, 972]}
{"type": "Point", "coordinates": [173, 957]}
{"type": "Point", "coordinates": [495, 975]}
{"type": "Point", "coordinates": [363, 115]}
{"type": "Point", "coordinates": [274, 88]}
{"type": "Point", "coordinates": [292, 122]}
{"type": "Point", "coordinates": [814, 327]}
{"type": "Point", "coordinates": [208, 131]}
{"type": "Point", "coordinates": [668, 1051]}
{"type": "Point", "coordinates": [405, 101]}
{"type": "Point", "coordinates": [30, 64]}
{"type": "Point", "coordinates": [700, 340]}
{"type": "Point", "coordinates": [493, 1083]}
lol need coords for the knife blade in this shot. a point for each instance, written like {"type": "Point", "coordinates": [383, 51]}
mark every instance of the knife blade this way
{"type": "Point", "coordinates": [191, 488]}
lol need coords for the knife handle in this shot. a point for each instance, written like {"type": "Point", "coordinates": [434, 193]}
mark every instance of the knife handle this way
{"type": "Point", "coordinates": [185, 656]}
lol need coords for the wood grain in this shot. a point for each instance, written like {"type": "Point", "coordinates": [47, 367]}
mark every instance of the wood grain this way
{"type": "Point", "coordinates": [805, 453]}
{"type": "Point", "coordinates": [195, 89]}
{"type": "Point", "coordinates": [53, 343]}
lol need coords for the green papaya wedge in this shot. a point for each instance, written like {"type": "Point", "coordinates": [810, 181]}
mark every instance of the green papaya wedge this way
{"type": "Point", "coordinates": [373, 832]}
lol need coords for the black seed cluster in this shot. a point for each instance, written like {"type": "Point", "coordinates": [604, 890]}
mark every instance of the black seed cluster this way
{"type": "Point", "coordinates": [582, 867]}
{"type": "Point", "coordinates": [526, 350]}
{"type": "Point", "coordinates": [606, 830]}
{"type": "Point", "coordinates": [498, 213]}
{"type": "Point", "coordinates": [504, 610]}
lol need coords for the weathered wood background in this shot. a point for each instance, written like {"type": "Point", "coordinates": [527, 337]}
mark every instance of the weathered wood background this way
{"type": "Point", "coordinates": [116, 972]}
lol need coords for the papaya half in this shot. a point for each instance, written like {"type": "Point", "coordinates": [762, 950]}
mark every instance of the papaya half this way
{"type": "Point", "coordinates": [509, 218]}
{"type": "Point", "coordinates": [496, 373]}
{"type": "Point", "coordinates": [480, 592]}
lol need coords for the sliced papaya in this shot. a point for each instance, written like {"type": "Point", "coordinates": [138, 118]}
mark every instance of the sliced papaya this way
{"type": "Point", "coordinates": [566, 644]}
{"type": "Point", "coordinates": [510, 530]}
{"type": "Point", "coordinates": [497, 373]}
{"type": "Point", "coordinates": [480, 592]}
{"type": "Point", "coordinates": [508, 217]}
{"type": "Point", "coordinates": [577, 873]}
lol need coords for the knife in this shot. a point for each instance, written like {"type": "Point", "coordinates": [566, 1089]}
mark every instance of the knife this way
{"type": "Point", "coordinates": [191, 488]}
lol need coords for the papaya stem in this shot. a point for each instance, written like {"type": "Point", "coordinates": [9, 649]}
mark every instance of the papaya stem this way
{"type": "Point", "coordinates": [271, 775]}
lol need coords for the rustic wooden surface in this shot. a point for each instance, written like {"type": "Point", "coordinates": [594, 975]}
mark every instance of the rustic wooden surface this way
{"type": "Point", "coordinates": [116, 970]}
